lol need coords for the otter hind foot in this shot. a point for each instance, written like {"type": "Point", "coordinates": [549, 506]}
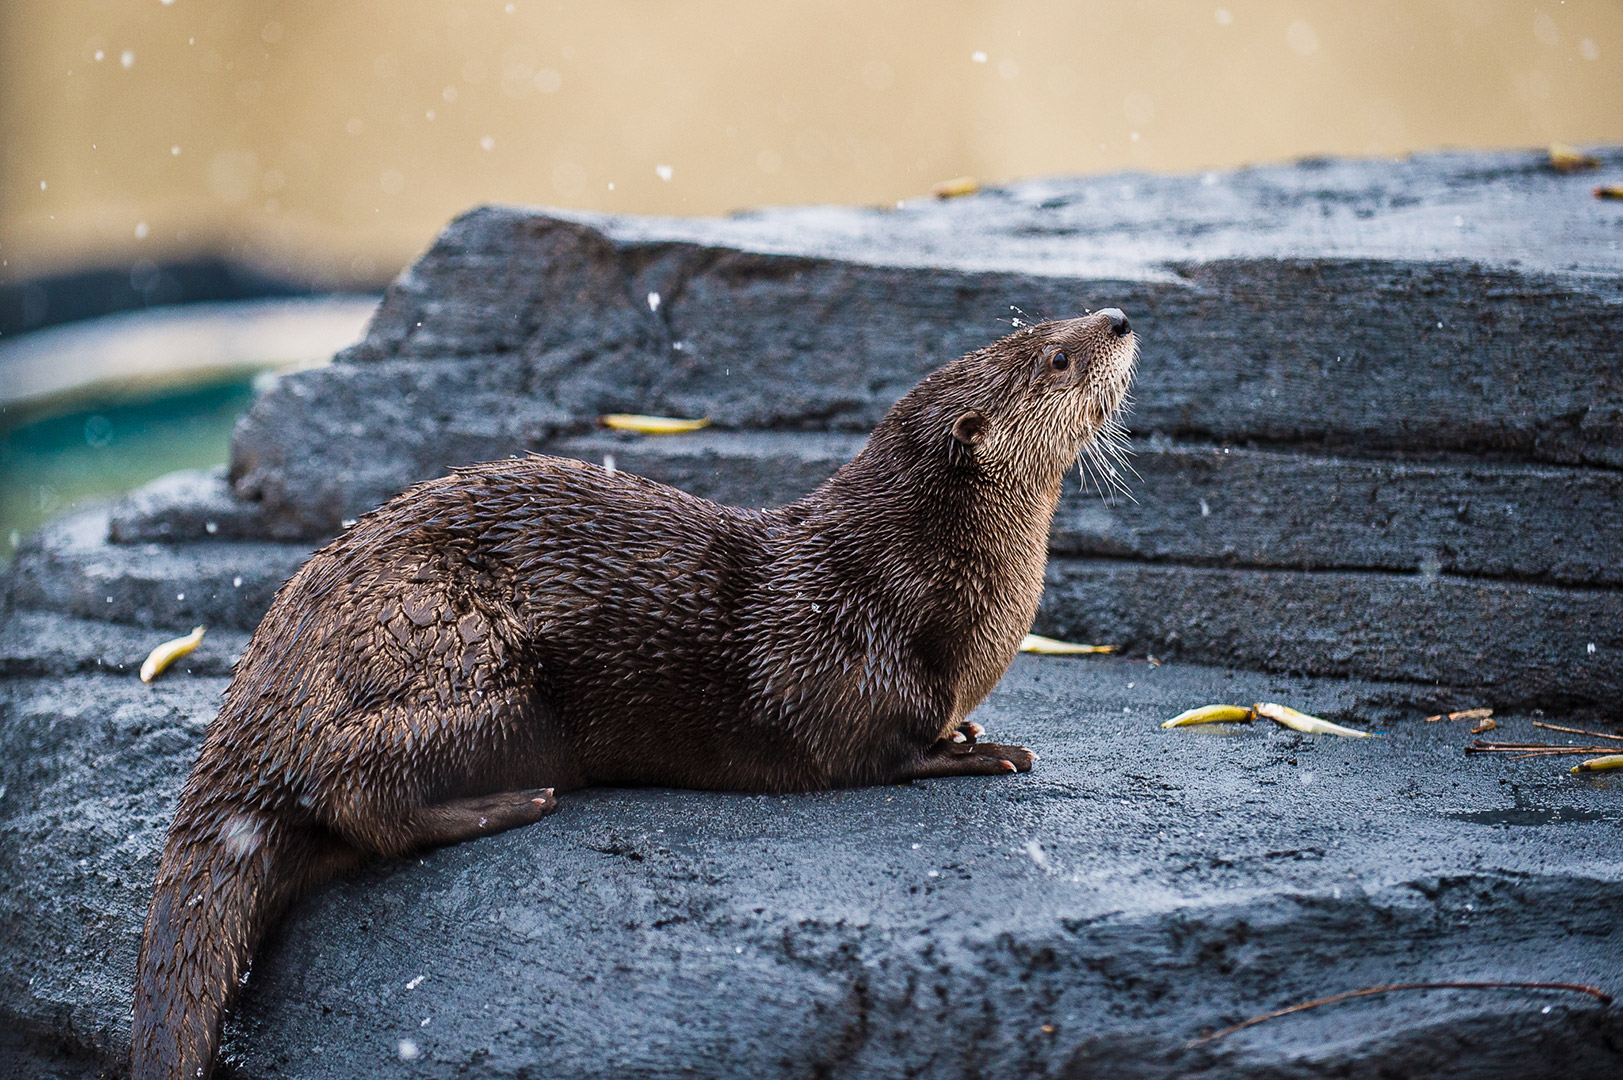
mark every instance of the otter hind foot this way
{"type": "Point", "coordinates": [978, 759]}
{"type": "Point", "coordinates": [458, 820]}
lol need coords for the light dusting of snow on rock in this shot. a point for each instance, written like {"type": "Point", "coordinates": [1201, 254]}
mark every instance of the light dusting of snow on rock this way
{"type": "Point", "coordinates": [408, 1050]}
{"type": "Point", "coordinates": [415, 983]}
{"type": "Point", "coordinates": [1035, 851]}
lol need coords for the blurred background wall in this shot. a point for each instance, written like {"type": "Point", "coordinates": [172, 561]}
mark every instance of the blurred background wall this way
{"type": "Point", "coordinates": [327, 142]}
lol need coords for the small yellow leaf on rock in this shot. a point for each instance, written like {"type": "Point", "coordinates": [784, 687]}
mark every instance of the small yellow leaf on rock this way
{"type": "Point", "coordinates": [1609, 191]}
{"type": "Point", "coordinates": [1301, 721]}
{"type": "Point", "coordinates": [1036, 643]}
{"type": "Point", "coordinates": [167, 653]}
{"type": "Point", "coordinates": [652, 425]}
{"type": "Point", "coordinates": [956, 187]}
{"type": "Point", "coordinates": [1570, 159]}
{"type": "Point", "coordinates": [1596, 764]}
{"type": "Point", "coordinates": [1212, 714]}
{"type": "Point", "coordinates": [1463, 714]}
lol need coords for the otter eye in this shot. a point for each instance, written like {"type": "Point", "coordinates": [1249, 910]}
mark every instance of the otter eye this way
{"type": "Point", "coordinates": [1059, 361]}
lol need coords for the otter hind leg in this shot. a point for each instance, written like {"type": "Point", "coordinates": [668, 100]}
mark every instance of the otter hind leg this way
{"type": "Point", "coordinates": [973, 759]}
{"type": "Point", "coordinates": [401, 779]}
{"type": "Point", "coordinates": [457, 820]}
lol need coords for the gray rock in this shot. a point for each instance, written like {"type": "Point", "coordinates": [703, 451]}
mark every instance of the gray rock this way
{"type": "Point", "coordinates": [69, 567]}
{"type": "Point", "coordinates": [1312, 305]}
{"type": "Point", "coordinates": [1139, 887]}
{"type": "Point", "coordinates": [1450, 638]}
{"type": "Point", "coordinates": [186, 505]}
{"type": "Point", "coordinates": [1331, 484]}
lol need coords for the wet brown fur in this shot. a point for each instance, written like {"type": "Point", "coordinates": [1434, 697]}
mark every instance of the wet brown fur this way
{"type": "Point", "coordinates": [528, 626]}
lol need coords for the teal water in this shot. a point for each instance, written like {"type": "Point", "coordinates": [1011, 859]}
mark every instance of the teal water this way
{"type": "Point", "coordinates": [50, 464]}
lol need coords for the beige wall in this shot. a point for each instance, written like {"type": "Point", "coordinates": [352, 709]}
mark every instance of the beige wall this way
{"type": "Point", "coordinates": [334, 138]}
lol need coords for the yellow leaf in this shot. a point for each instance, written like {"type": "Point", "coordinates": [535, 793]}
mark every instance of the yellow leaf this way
{"type": "Point", "coordinates": [1036, 643]}
{"type": "Point", "coordinates": [167, 653]}
{"type": "Point", "coordinates": [652, 425]}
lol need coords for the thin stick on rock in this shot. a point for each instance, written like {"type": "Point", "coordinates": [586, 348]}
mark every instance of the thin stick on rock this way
{"type": "Point", "coordinates": [1534, 749]}
{"type": "Point", "coordinates": [1578, 731]}
{"type": "Point", "coordinates": [1578, 988]}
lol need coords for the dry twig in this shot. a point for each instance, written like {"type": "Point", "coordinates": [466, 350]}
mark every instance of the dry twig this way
{"type": "Point", "coordinates": [1577, 731]}
{"type": "Point", "coordinates": [1521, 750]}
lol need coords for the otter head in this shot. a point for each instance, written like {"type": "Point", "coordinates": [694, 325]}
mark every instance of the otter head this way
{"type": "Point", "coordinates": [1026, 407]}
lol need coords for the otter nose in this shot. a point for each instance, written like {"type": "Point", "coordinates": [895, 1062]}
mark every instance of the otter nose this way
{"type": "Point", "coordinates": [1118, 321]}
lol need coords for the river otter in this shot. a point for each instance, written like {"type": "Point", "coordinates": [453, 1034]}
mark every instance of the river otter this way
{"type": "Point", "coordinates": [523, 627]}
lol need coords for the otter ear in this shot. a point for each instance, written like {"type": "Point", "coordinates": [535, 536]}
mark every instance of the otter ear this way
{"type": "Point", "coordinates": [970, 428]}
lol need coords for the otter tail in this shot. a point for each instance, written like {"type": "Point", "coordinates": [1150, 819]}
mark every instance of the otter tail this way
{"type": "Point", "coordinates": [226, 874]}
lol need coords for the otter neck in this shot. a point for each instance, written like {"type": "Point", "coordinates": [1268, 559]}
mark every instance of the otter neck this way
{"type": "Point", "coordinates": [949, 509]}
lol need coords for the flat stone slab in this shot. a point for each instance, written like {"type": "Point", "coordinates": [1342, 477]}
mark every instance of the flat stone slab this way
{"type": "Point", "coordinates": [69, 567]}
{"type": "Point", "coordinates": [1380, 437]}
{"type": "Point", "coordinates": [1450, 303]}
{"type": "Point", "coordinates": [1446, 638]}
{"type": "Point", "coordinates": [1139, 887]}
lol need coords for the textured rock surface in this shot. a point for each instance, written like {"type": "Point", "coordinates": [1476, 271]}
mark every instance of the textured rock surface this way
{"type": "Point", "coordinates": [1140, 886]}
{"type": "Point", "coordinates": [1322, 304]}
{"type": "Point", "coordinates": [1379, 438]}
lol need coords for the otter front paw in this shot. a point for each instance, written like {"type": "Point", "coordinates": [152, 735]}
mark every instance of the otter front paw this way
{"type": "Point", "coordinates": [960, 740]}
